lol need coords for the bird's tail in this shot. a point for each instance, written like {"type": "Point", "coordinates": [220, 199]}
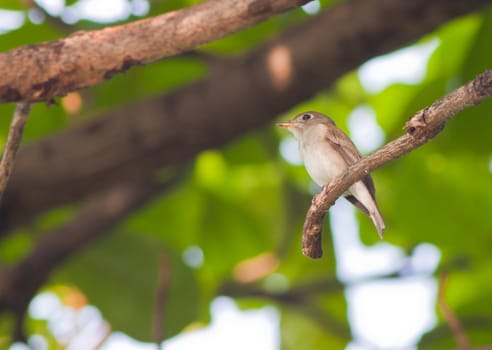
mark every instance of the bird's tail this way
{"type": "Point", "coordinates": [378, 221]}
{"type": "Point", "coordinates": [370, 210]}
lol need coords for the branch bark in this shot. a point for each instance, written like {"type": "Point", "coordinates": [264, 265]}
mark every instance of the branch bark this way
{"type": "Point", "coordinates": [450, 317]}
{"type": "Point", "coordinates": [421, 128]}
{"type": "Point", "coordinates": [41, 72]}
{"type": "Point", "coordinates": [238, 96]}
{"type": "Point", "coordinates": [161, 293]}
{"type": "Point", "coordinates": [14, 139]}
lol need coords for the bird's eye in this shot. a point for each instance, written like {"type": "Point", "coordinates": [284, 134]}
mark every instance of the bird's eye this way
{"type": "Point", "coordinates": [307, 116]}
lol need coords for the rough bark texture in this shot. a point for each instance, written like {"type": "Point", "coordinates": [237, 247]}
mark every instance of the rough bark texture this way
{"type": "Point", "coordinates": [238, 96]}
{"type": "Point", "coordinates": [41, 72]}
{"type": "Point", "coordinates": [13, 142]}
{"type": "Point", "coordinates": [421, 128]}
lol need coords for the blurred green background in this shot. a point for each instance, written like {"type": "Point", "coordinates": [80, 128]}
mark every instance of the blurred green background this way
{"type": "Point", "coordinates": [245, 201]}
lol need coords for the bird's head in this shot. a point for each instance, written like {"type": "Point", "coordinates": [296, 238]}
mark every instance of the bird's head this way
{"type": "Point", "coordinates": [303, 121]}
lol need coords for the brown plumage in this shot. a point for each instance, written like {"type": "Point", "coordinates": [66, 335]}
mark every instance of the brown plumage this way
{"type": "Point", "coordinates": [327, 151]}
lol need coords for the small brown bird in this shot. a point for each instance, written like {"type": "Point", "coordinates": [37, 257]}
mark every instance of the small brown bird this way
{"type": "Point", "coordinates": [327, 151]}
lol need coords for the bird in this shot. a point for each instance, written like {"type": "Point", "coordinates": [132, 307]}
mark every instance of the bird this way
{"type": "Point", "coordinates": [326, 152]}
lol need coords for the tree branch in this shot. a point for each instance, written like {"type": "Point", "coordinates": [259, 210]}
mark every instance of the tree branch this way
{"type": "Point", "coordinates": [163, 280]}
{"type": "Point", "coordinates": [44, 71]}
{"type": "Point", "coordinates": [421, 128]}
{"type": "Point", "coordinates": [14, 139]}
{"type": "Point", "coordinates": [240, 95]}
{"type": "Point", "coordinates": [481, 323]}
{"type": "Point", "coordinates": [299, 298]}
{"type": "Point", "coordinates": [453, 322]}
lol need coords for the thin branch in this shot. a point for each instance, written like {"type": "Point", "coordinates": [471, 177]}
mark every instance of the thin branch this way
{"type": "Point", "coordinates": [306, 290]}
{"type": "Point", "coordinates": [453, 322]}
{"type": "Point", "coordinates": [158, 325]}
{"type": "Point", "coordinates": [475, 323]}
{"type": "Point", "coordinates": [86, 58]}
{"type": "Point", "coordinates": [421, 128]}
{"type": "Point", "coordinates": [325, 319]}
{"type": "Point", "coordinates": [108, 332]}
{"type": "Point", "coordinates": [13, 142]}
{"type": "Point", "coordinates": [299, 298]}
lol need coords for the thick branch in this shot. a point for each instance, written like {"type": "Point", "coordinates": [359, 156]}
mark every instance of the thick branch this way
{"type": "Point", "coordinates": [14, 139]}
{"type": "Point", "coordinates": [238, 96]}
{"type": "Point", "coordinates": [421, 128]}
{"type": "Point", "coordinates": [44, 71]}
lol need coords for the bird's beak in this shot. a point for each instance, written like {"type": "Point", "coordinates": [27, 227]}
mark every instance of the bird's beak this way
{"type": "Point", "coordinates": [285, 125]}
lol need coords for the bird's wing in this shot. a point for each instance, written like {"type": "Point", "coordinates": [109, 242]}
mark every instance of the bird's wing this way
{"type": "Point", "coordinates": [346, 148]}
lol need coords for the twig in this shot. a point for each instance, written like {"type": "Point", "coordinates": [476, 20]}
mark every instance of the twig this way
{"type": "Point", "coordinates": [108, 331]}
{"type": "Point", "coordinates": [158, 331]}
{"type": "Point", "coordinates": [421, 128]}
{"type": "Point", "coordinates": [13, 142]}
{"type": "Point", "coordinates": [451, 319]}
{"type": "Point", "coordinates": [299, 298]}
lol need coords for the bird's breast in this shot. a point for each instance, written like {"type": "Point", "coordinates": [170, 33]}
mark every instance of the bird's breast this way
{"type": "Point", "coordinates": [322, 162]}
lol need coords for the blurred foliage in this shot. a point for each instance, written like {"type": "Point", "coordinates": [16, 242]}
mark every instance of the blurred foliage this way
{"type": "Point", "coordinates": [245, 200]}
{"type": "Point", "coordinates": [130, 263]}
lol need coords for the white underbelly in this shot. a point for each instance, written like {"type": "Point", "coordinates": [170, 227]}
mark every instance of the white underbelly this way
{"type": "Point", "coordinates": [322, 163]}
